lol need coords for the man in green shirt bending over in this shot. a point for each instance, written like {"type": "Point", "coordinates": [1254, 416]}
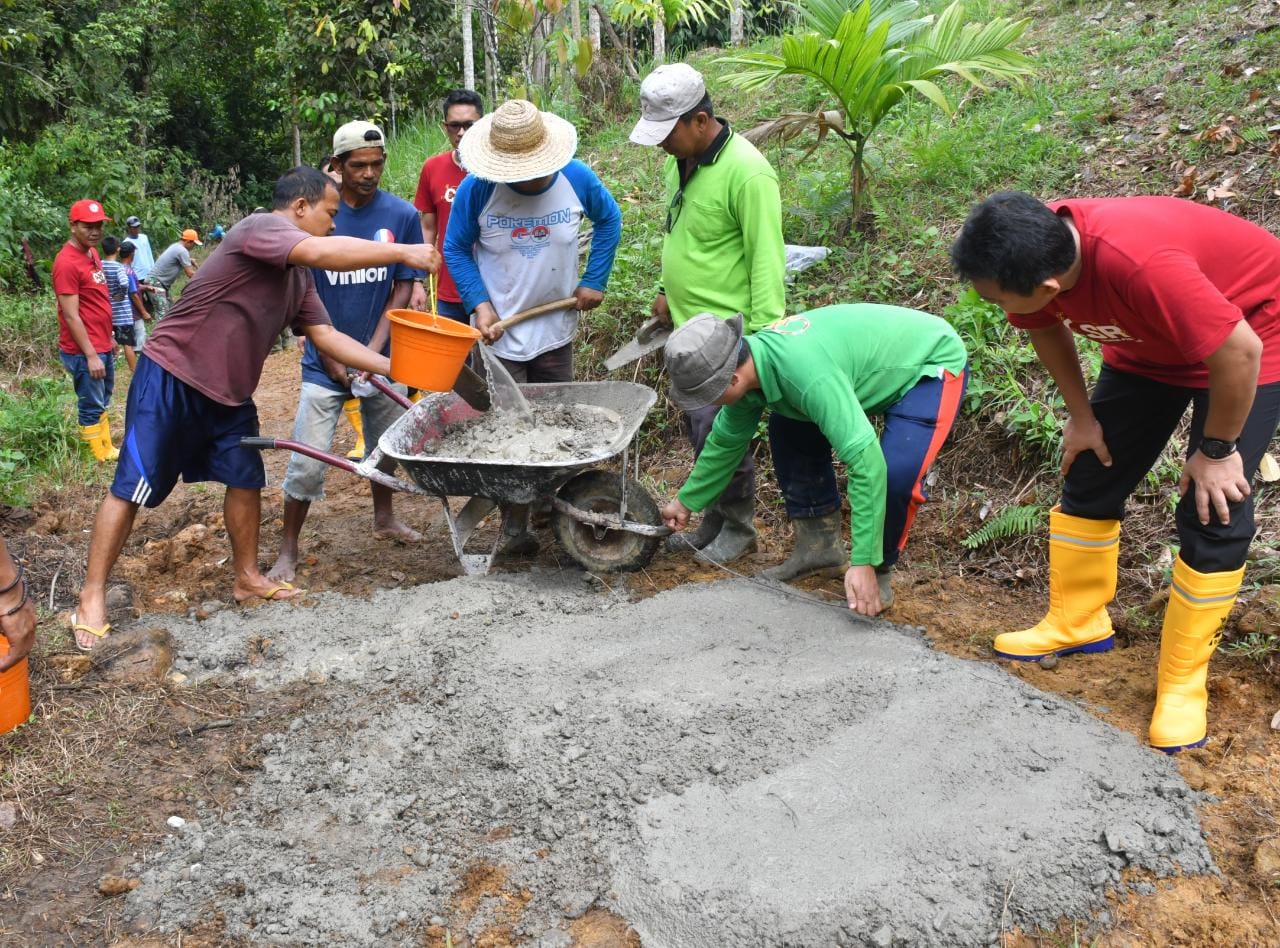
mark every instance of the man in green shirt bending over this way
{"type": "Point", "coordinates": [722, 254]}
{"type": "Point", "coordinates": [826, 370]}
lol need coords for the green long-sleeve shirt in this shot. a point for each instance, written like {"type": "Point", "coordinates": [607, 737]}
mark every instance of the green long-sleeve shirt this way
{"type": "Point", "coordinates": [724, 253]}
{"type": "Point", "coordinates": [833, 366]}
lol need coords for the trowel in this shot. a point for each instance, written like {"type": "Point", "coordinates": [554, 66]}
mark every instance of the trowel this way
{"type": "Point", "coordinates": [652, 335]}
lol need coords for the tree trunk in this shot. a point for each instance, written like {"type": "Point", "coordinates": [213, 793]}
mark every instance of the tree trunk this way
{"type": "Point", "coordinates": [297, 135]}
{"type": "Point", "coordinates": [468, 47]}
{"type": "Point", "coordinates": [575, 18]}
{"type": "Point", "coordinates": [607, 24]}
{"type": "Point", "coordinates": [593, 27]}
{"type": "Point", "coordinates": [491, 76]}
{"type": "Point", "coordinates": [736, 11]}
{"type": "Point", "coordinates": [567, 88]}
{"type": "Point", "coordinates": [659, 39]}
{"type": "Point", "coordinates": [541, 29]}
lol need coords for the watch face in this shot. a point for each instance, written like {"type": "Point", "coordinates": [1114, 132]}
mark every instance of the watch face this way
{"type": "Point", "coordinates": [1215, 449]}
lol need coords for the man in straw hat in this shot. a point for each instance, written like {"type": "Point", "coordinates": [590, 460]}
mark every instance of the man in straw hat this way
{"type": "Point", "coordinates": [722, 254]}
{"type": "Point", "coordinates": [512, 243]}
{"type": "Point", "coordinates": [191, 400]}
{"type": "Point", "coordinates": [357, 302]}
{"type": "Point", "coordinates": [826, 370]}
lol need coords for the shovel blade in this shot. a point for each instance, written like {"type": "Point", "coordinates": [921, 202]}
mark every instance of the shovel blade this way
{"type": "Point", "coordinates": [472, 389]}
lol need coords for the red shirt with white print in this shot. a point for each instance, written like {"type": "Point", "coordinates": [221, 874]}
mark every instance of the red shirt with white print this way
{"type": "Point", "coordinates": [79, 273]}
{"type": "Point", "coordinates": [437, 184]}
{"type": "Point", "coordinates": [1164, 282]}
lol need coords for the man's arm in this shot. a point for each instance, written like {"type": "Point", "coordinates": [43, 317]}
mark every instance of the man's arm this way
{"type": "Point", "coordinates": [399, 297]}
{"type": "Point", "coordinates": [759, 212]}
{"type": "Point", "coordinates": [428, 219]}
{"type": "Point", "coordinates": [606, 220]}
{"type": "Point", "coordinates": [352, 253]}
{"type": "Point", "coordinates": [1056, 349]}
{"type": "Point", "coordinates": [343, 349]}
{"type": "Point", "coordinates": [1233, 382]}
{"type": "Point", "coordinates": [730, 437]}
{"type": "Point", "coordinates": [70, 303]}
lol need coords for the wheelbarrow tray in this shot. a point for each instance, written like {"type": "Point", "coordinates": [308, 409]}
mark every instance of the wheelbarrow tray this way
{"type": "Point", "coordinates": [409, 441]}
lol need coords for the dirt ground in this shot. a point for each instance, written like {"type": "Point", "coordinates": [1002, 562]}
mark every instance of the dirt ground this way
{"type": "Point", "coordinates": [115, 749]}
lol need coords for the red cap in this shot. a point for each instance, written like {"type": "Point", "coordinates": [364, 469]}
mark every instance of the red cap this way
{"type": "Point", "coordinates": [88, 212]}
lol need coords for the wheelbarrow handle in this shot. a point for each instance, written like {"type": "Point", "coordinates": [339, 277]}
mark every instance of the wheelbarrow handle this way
{"type": "Point", "coordinates": [402, 400]}
{"type": "Point", "coordinates": [262, 444]}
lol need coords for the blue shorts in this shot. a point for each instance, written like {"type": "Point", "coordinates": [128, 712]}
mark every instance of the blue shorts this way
{"type": "Point", "coordinates": [171, 429]}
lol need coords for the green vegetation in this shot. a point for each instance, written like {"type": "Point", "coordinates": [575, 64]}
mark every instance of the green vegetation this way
{"type": "Point", "coordinates": [1016, 521]}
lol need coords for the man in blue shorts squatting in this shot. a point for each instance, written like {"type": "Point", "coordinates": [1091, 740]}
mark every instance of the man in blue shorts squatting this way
{"type": "Point", "coordinates": [357, 303]}
{"type": "Point", "coordinates": [190, 402]}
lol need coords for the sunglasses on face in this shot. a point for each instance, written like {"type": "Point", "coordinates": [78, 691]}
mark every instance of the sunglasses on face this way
{"type": "Point", "coordinates": [458, 126]}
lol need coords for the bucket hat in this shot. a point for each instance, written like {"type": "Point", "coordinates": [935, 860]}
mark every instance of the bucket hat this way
{"type": "Point", "coordinates": [701, 356]}
{"type": "Point", "coordinates": [517, 142]}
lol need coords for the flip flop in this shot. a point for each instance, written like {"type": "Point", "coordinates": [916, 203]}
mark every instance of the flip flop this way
{"type": "Point", "coordinates": [270, 594]}
{"type": "Point", "coordinates": [77, 626]}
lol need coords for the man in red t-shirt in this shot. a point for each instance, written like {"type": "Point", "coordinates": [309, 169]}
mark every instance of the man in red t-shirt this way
{"type": "Point", "coordinates": [191, 398]}
{"type": "Point", "coordinates": [441, 175]}
{"type": "Point", "coordinates": [84, 325]}
{"type": "Point", "coordinates": [1185, 300]}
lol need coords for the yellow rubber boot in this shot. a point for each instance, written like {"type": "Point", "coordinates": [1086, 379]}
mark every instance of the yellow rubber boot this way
{"type": "Point", "coordinates": [1198, 605]}
{"type": "Point", "coordinates": [104, 434]}
{"type": "Point", "coordinates": [352, 408]}
{"type": "Point", "coordinates": [92, 436]}
{"type": "Point", "coordinates": [1083, 557]}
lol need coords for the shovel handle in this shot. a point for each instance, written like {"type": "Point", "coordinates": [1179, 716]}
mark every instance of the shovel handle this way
{"type": "Point", "coordinates": [517, 318]}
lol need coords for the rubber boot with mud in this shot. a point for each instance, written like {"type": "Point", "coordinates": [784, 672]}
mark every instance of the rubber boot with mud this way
{"type": "Point", "coordinates": [884, 580]}
{"type": "Point", "coordinates": [738, 533]}
{"type": "Point", "coordinates": [689, 540]}
{"type": "Point", "coordinates": [92, 436]}
{"type": "Point", "coordinates": [1198, 605]}
{"type": "Point", "coordinates": [520, 539]}
{"type": "Point", "coordinates": [351, 408]}
{"type": "Point", "coordinates": [1083, 557]}
{"type": "Point", "coordinates": [818, 549]}
{"type": "Point", "coordinates": [104, 435]}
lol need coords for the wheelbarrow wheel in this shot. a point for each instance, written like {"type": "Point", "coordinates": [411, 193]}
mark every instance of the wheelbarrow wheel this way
{"type": "Point", "coordinates": [598, 549]}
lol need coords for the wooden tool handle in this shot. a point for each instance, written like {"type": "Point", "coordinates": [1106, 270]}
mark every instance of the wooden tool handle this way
{"type": "Point", "coordinates": [533, 311]}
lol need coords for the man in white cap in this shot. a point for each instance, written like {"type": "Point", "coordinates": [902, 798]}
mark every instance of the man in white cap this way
{"type": "Point", "coordinates": [143, 257]}
{"type": "Point", "coordinates": [512, 243]}
{"type": "Point", "coordinates": [827, 370]}
{"type": "Point", "coordinates": [357, 302]}
{"type": "Point", "coordinates": [723, 254]}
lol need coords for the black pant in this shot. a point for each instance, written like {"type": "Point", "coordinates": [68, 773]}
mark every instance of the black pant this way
{"type": "Point", "coordinates": [697, 426]}
{"type": "Point", "coordinates": [555, 365]}
{"type": "Point", "coordinates": [1138, 416]}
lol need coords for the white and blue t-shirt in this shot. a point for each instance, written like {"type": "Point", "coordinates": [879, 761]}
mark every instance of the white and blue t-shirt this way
{"type": "Point", "coordinates": [356, 299]}
{"type": "Point", "coordinates": [519, 250]}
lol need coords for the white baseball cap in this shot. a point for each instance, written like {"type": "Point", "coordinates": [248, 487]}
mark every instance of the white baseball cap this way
{"type": "Point", "coordinates": [355, 135]}
{"type": "Point", "coordinates": [666, 94]}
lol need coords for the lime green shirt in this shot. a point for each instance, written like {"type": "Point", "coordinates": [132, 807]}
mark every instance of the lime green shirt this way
{"type": "Point", "coordinates": [833, 366]}
{"type": "Point", "coordinates": [724, 253]}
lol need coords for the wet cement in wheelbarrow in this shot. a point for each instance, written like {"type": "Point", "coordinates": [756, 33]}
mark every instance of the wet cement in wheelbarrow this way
{"type": "Point", "coordinates": [720, 765]}
{"type": "Point", "coordinates": [554, 433]}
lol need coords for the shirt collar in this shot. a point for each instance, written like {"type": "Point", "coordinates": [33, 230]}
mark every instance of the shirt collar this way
{"type": "Point", "coordinates": [712, 153]}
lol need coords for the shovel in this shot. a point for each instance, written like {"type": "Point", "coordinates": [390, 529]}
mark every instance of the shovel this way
{"type": "Point", "coordinates": [651, 335]}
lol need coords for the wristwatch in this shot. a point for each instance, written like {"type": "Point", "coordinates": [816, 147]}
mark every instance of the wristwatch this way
{"type": "Point", "coordinates": [1215, 449]}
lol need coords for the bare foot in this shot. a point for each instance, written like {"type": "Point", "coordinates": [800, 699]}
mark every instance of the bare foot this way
{"type": "Point", "coordinates": [285, 568]}
{"type": "Point", "coordinates": [263, 588]}
{"type": "Point", "coordinates": [395, 530]}
{"type": "Point", "coordinates": [92, 612]}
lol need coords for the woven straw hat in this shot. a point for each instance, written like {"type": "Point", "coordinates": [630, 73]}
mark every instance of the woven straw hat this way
{"type": "Point", "coordinates": [517, 143]}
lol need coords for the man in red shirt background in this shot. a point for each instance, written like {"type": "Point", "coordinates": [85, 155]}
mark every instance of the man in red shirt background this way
{"type": "Point", "coordinates": [1185, 300]}
{"type": "Point", "coordinates": [440, 177]}
{"type": "Point", "coordinates": [84, 325]}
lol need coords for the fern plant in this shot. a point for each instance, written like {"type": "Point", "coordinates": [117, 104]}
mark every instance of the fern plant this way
{"type": "Point", "coordinates": [1017, 521]}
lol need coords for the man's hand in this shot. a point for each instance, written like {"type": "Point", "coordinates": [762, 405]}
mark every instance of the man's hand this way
{"type": "Point", "coordinates": [96, 369]}
{"type": "Point", "coordinates": [675, 515]}
{"type": "Point", "coordinates": [422, 257]}
{"type": "Point", "coordinates": [486, 319]}
{"type": "Point", "coordinates": [1082, 434]}
{"type": "Point", "coordinates": [587, 298]}
{"type": "Point", "coordinates": [335, 370]}
{"type": "Point", "coordinates": [660, 311]}
{"type": "Point", "coordinates": [418, 298]}
{"type": "Point", "coordinates": [1217, 483]}
{"type": "Point", "coordinates": [862, 591]}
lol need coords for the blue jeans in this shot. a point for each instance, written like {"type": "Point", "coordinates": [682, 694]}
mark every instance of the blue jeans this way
{"type": "Point", "coordinates": [914, 428]}
{"type": "Point", "coordinates": [92, 395]}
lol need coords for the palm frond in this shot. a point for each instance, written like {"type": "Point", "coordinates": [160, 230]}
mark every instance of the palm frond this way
{"type": "Point", "coordinates": [823, 16]}
{"type": "Point", "coordinates": [791, 125]}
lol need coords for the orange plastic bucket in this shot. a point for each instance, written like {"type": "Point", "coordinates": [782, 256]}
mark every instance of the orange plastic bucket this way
{"type": "Point", "coordinates": [15, 693]}
{"type": "Point", "coordinates": [427, 351]}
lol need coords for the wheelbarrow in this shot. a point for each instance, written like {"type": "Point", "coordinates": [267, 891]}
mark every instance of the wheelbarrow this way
{"type": "Point", "coordinates": [603, 519]}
